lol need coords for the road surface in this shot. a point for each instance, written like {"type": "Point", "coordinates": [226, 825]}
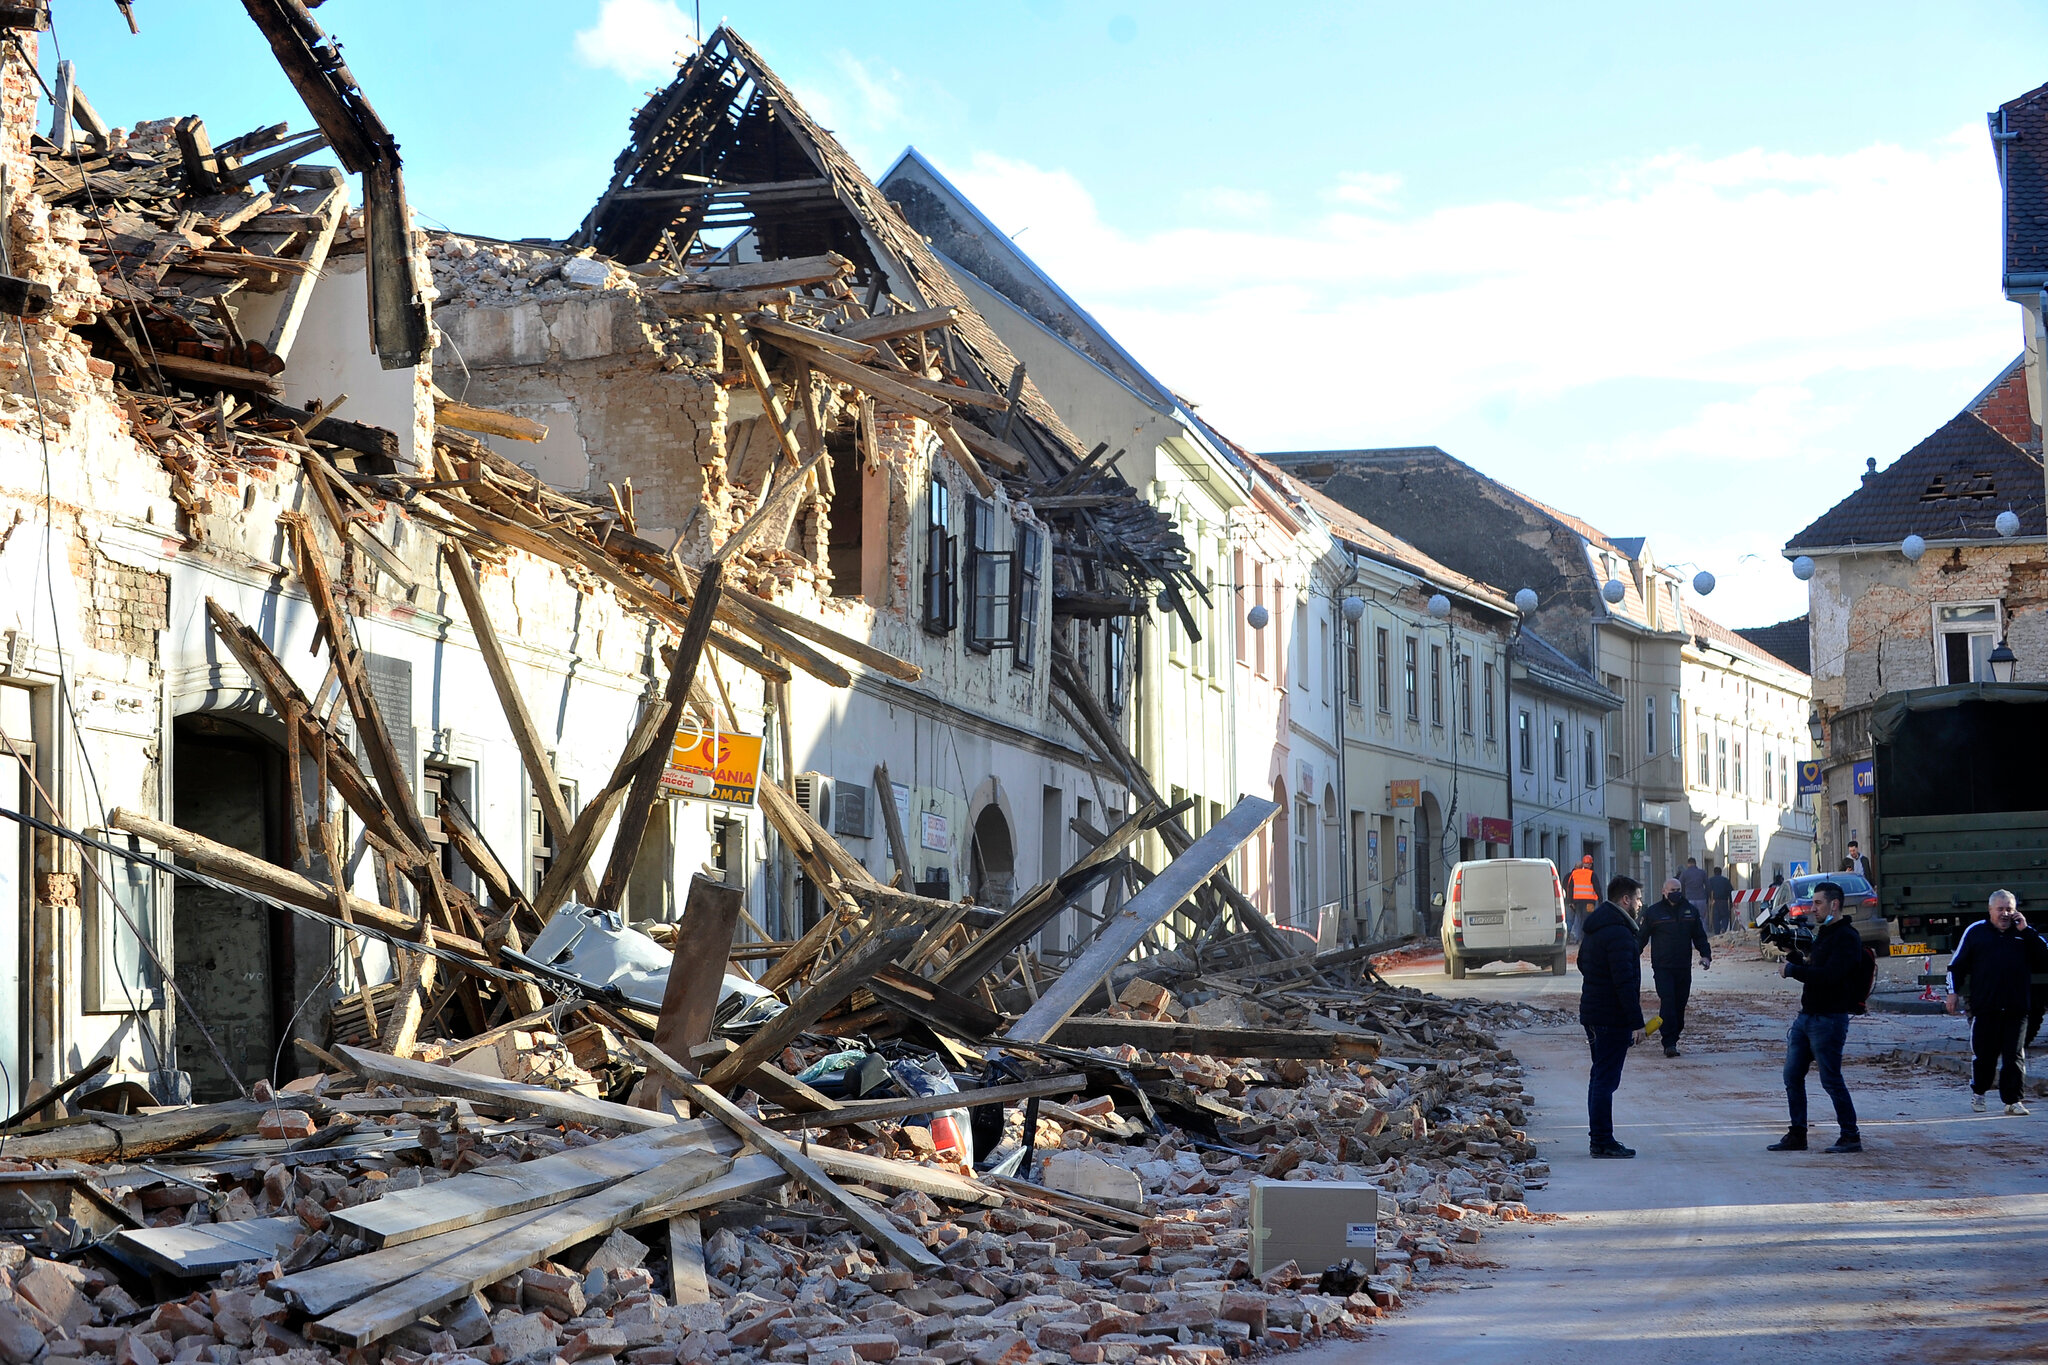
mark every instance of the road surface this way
{"type": "Point", "coordinates": [1927, 1247]}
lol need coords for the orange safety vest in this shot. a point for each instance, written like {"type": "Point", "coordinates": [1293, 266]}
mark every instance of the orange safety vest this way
{"type": "Point", "coordinates": [1583, 886]}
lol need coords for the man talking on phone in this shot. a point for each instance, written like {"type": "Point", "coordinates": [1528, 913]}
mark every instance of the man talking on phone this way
{"type": "Point", "coordinates": [1995, 961]}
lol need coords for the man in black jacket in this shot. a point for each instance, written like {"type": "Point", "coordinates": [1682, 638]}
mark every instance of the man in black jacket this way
{"type": "Point", "coordinates": [1833, 975]}
{"type": "Point", "coordinates": [1996, 960]}
{"type": "Point", "coordinates": [1610, 1004]}
{"type": "Point", "coordinates": [1673, 930]}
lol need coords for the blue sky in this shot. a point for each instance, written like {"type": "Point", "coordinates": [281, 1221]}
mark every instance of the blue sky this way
{"type": "Point", "coordinates": [1679, 272]}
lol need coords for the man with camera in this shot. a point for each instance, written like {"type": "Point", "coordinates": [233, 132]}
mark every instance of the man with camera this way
{"type": "Point", "coordinates": [1610, 1004]}
{"type": "Point", "coordinates": [1834, 975]}
{"type": "Point", "coordinates": [1996, 960]}
{"type": "Point", "coordinates": [1673, 929]}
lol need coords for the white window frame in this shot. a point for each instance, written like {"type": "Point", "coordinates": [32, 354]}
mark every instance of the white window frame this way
{"type": "Point", "coordinates": [1995, 634]}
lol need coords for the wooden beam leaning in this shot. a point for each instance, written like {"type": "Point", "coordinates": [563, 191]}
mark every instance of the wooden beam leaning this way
{"type": "Point", "coordinates": [573, 855]}
{"type": "Point", "coordinates": [889, 326]}
{"type": "Point", "coordinates": [232, 865]}
{"type": "Point", "coordinates": [540, 769]}
{"type": "Point", "coordinates": [892, 822]}
{"type": "Point", "coordinates": [1139, 916]}
{"type": "Point", "coordinates": [847, 974]}
{"type": "Point", "coordinates": [647, 775]}
{"type": "Point", "coordinates": [872, 1222]}
{"type": "Point", "coordinates": [703, 943]}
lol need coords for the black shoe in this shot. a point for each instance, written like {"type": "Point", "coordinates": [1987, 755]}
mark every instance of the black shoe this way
{"type": "Point", "coordinates": [1793, 1141]}
{"type": "Point", "coordinates": [1670, 1052]}
{"type": "Point", "coordinates": [1847, 1142]}
{"type": "Point", "coordinates": [1612, 1151]}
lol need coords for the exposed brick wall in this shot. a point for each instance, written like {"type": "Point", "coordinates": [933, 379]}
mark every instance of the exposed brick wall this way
{"type": "Point", "coordinates": [2006, 411]}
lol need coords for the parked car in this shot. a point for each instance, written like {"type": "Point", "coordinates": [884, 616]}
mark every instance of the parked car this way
{"type": "Point", "coordinates": [1503, 910]}
{"type": "Point", "coordinates": [1859, 906]}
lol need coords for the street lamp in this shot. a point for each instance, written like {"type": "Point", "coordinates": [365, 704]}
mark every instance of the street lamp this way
{"type": "Point", "coordinates": [2003, 662]}
{"type": "Point", "coordinates": [1815, 728]}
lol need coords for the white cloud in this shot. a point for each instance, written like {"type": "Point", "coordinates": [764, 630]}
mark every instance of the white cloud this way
{"type": "Point", "coordinates": [639, 39]}
{"type": "Point", "coordinates": [1370, 188]}
{"type": "Point", "coordinates": [1739, 331]}
{"type": "Point", "coordinates": [880, 104]}
{"type": "Point", "coordinates": [1230, 201]}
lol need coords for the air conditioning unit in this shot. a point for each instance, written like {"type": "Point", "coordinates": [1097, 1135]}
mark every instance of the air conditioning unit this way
{"type": "Point", "coordinates": [814, 794]}
{"type": "Point", "coordinates": [849, 810]}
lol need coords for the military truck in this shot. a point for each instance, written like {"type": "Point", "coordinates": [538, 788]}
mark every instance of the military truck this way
{"type": "Point", "coordinates": [1960, 808]}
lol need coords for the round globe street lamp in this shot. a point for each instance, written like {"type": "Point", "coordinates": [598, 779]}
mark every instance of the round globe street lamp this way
{"type": "Point", "coordinates": [1612, 590]}
{"type": "Point", "coordinates": [2003, 663]}
{"type": "Point", "coordinates": [1912, 547]}
{"type": "Point", "coordinates": [1439, 606]}
{"type": "Point", "coordinates": [1258, 617]}
{"type": "Point", "coordinates": [1354, 609]}
{"type": "Point", "coordinates": [1525, 601]}
{"type": "Point", "coordinates": [1802, 568]}
{"type": "Point", "coordinates": [2008, 523]}
{"type": "Point", "coordinates": [1703, 582]}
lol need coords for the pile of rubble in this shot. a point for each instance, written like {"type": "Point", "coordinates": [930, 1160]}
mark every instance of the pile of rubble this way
{"type": "Point", "coordinates": [408, 1211]}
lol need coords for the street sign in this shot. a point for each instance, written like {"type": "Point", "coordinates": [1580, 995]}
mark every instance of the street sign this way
{"type": "Point", "coordinates": [1743, 844]}
{"type": "Point", "coordinates": [710, 765]}
{"type": "Point", "coordinates": [1810, 783]}
{"type": "Point", "coordinates": [1864, 779]}
{"type": "Point", "coordinates": [1799, 869]}
{"type": "Point", "coordinates": [1638, 840]}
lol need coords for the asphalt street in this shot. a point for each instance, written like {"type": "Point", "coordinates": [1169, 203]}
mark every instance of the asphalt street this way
{"type": "Point", "coordinates": [1706, 1247]}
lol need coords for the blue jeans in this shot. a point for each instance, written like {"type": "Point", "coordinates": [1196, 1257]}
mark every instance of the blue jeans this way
{"type": "Point", "coordinates": [1610, 1051]}
{"type": "Point", "coordinates": [1818, 1038]}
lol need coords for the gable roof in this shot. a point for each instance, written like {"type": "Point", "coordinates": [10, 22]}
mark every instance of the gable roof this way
{"type": "Point", "coordinates": [1790, 641]}
{"type": "Point", "coordinates": [1951, 486]}
{"type": "Point", "coordinates": [1707, 631]}
{"type": "Point", "coordinates": [1550, 666]}
{"type": "Point", "coordinates": [962, 234]}
{"type": "Point", "coordinates": [2004, 405]}
{"type": "Point", "coordinates": [727, 145]}
{"type": "Point", "coordinates": [2019, 138]}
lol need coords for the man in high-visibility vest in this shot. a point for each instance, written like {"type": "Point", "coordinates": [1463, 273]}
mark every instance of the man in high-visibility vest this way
{"type": "Point", "coordinates": [1584, 891]}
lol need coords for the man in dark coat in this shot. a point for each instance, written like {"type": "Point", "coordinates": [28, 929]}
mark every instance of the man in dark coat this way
{"type": "Point", "coordinates": [1720, 900]}
{"type": "Point", "coordinates": [1995, 963]}
{"type": "Point", "coordinates": [1833, 975]}
{"type": "Point", "coordinates": [1610, 1004]}
{"type": "Point", "coordinates": [1673, 930]}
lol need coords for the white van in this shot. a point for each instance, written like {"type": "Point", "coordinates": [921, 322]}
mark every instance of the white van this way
{"type": "Point", "coordinates": [1504, 910]}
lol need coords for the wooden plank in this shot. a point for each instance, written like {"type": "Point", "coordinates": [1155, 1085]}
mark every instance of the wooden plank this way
{"type": "Point", "coordinates": [949, 437]}
{"type": "Point", "coordinates": [381, 1291]}
{"type": "Point", "coordinates": [108, 1137]}
{"type": "Point", "coordinates": [889, 326]}
{"type": "Point", "coordinates": [1061, 1201]}
{"type": "Point", "coordinates": [500, 1191]}
{"type": "Point", "coordinates": [646, 787]}
{"type": "Point", "coordinates": [188, 369]}
{"type": "Point", "coordinates": [298, 290]}
{"type": "Point", "coordinates": [1139, 916]}
{"type": "Point", "coordinates": [572, 855]}
{"type": "Point", "coordinates": [689, 1282]}
{"type": "Point", "coordinates": [839, 344]}
{"type": "Point", "coordinates": [1169, 1036]}
{"type": "Point", "coordinates": [540, 769]}
{"type": "Point", "coordinates": [872, 1222]}
{"type": "Point", "coordinates": [851, 1112]}
{"type": "Point", "coordinates": [560, 1105]}
{"type": "Point", "coordinates": [792, 272]}
{"type": "Point", "coordinates": [995, 450]}
{"type": "Point", "coordinates": [711, 915]}
{"type": "Point", "coordinates": [896, 390]}
{"type": "Point", "coordinates": [203, 1250]}
{"type": "Point", "coordinates": [486, 421]}
{"type": "Point", "coordinates": [848, 973]}
{"type": "Point", "coordinates": [233, 865]}
{"type": "Point", "coordinates": [892, 823]}
{"type": "Point", "coordinates": [768, 1080]}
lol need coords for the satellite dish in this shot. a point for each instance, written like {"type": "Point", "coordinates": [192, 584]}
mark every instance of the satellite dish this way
{"type": "Point", "coordinates": [1703, 582]}
{"type": "Point", "coordinates": [1802, 568]}
{"type": "Point", "coordinates": [1525, 601]}
{"type": "Point", "coordinates": [1612, 590]}
{"type": "Point", "coordinates": [1912, 547]}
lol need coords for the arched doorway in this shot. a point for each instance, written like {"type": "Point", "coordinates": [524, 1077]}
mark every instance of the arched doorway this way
{"type": "Point", "coordinates": [991, 860]}
{"type": "Point", "coordinates": [1428, 833]}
